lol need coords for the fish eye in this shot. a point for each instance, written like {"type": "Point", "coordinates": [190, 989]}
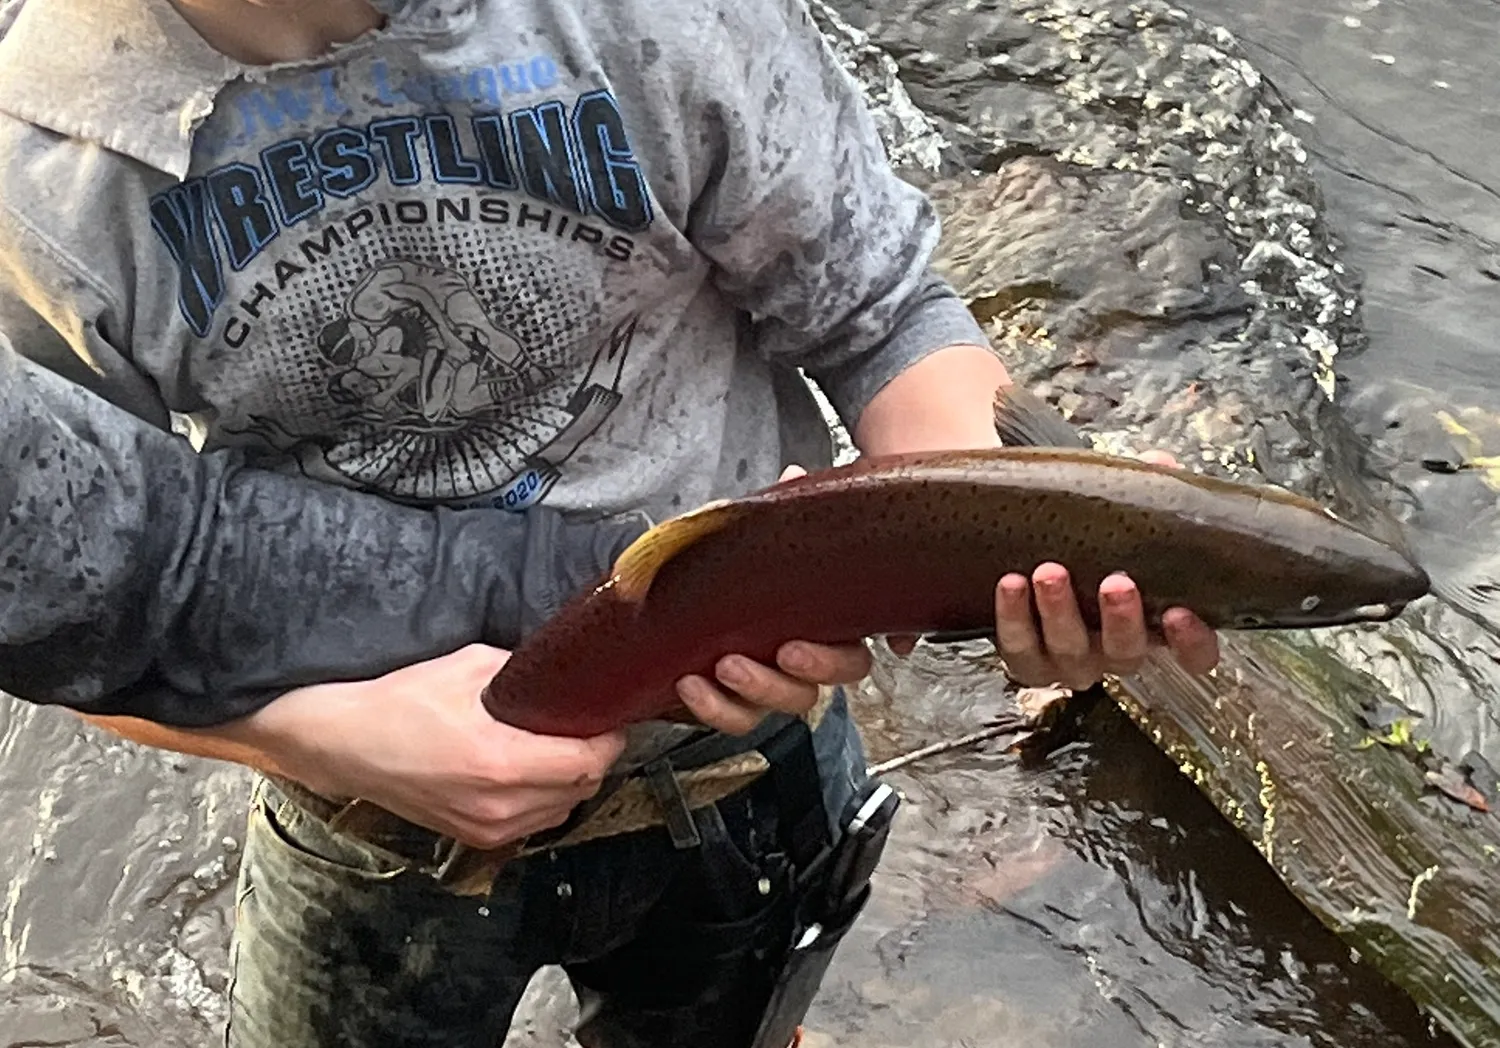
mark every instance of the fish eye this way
{"type": "Point", "coordinates": [1311, 603]}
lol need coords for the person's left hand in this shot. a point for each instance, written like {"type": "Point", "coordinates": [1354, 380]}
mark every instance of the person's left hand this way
{"type": "Point", "coordinates": [1065, 652]}
{"type": "Point", "coordinates": [1041, 635]}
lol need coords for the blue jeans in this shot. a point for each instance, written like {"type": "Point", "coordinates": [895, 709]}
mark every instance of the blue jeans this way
{"type": "Point", "coordinates": [337, 947]}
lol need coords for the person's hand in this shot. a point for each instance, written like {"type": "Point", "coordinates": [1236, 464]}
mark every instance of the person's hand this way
{"type": "Point", "coordinates": [1063, 650]}
{"type": "Point", "coordinates": [744, 691]}
{"type": "Point", "coordinates": [419, 743]}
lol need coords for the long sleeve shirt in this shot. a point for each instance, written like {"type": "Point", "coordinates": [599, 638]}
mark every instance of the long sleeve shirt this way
{"type": "Point", "coordinates": [140, 577]}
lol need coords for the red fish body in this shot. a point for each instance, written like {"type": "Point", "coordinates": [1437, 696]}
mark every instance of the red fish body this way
{"type": "Point", "coordinates": [915, 544]}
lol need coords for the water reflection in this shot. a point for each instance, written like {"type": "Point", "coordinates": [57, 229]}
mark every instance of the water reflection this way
{"type": "Point", "coordinates": [1081, 894]}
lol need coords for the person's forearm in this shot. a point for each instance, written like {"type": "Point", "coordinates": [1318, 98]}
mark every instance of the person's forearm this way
{"type": "Point", "coordinates": [944, 401]}
{"type": "Point", "coordinates": [249, 741]}
{"type": "Point", "coordinates": [280, 738]}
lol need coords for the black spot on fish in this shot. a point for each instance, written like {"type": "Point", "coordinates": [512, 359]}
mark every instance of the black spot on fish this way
{"type": "Point", "coordinates": [650, 52]}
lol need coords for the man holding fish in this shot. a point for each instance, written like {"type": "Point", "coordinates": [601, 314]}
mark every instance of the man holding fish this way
{"type": "Point", "coordinates": [528, 255]}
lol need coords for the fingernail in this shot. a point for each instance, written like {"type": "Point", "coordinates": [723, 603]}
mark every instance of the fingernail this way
{"type": "Point", "coordinates": [797, 658]}
{"type": "Point", "coordinates": [734, 671]}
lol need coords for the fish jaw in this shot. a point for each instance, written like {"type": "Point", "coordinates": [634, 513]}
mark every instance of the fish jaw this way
{"type": "Point", "coordinates": [1365, 614]}
{"type": "Point", "coordinates": [1376, 590]}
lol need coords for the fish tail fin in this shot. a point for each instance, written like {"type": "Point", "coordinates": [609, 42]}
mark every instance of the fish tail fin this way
{"type": "Point", "coordinates": [1024, 419]}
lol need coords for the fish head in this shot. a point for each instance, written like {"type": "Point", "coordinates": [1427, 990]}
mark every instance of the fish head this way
{"type": "Point", "coordinates": [1351, 578]}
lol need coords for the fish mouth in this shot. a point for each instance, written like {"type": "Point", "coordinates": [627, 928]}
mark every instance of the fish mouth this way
{"type": "Point", "coordinates": [1382, 611]}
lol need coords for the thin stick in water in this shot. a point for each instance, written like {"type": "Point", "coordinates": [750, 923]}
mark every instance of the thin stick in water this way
{"type": "Point", "coordinates": [1007, 726]}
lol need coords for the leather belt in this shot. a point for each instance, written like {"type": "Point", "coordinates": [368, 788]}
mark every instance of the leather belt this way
{"type": "Point", "coordinates": [660, 793]}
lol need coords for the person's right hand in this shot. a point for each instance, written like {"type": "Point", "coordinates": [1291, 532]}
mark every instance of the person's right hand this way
{"type": "Point", "coordinates": [418, 743]}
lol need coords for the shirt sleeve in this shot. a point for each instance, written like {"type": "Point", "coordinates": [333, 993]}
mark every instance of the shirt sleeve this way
{"type": "Point", "coordinates": [811, 230]}
{"type": "Point", "coordinates": [142, 578]}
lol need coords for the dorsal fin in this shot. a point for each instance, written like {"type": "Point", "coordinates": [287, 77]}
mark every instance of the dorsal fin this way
{"type": "Point", "coordinates": [1027, 421]}
{"type": "Point", "coordinates": [1024, 419]}
{"type": "Point", "coordinates": [636, 568]}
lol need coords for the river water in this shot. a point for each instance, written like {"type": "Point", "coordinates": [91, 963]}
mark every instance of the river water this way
{"type": "Point", "coordinates": [1406, 147]}
{"type": "Point", "coordinates": [1083, 895]}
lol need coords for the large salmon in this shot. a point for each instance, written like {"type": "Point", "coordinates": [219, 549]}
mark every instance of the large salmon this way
{"type": "Point", "coordinates": [914, 544]}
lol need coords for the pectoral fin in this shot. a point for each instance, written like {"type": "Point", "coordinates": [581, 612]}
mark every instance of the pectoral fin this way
{"type": "Point", "coordinates": [1024, 419]}
{"type": "Point", "coordinates": [636, 568]}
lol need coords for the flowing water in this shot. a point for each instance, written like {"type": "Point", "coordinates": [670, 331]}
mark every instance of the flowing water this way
{"type": "Point", "coordinates": [1405, 142]}
{"type": "Point", "coordinates": [1078, 895]}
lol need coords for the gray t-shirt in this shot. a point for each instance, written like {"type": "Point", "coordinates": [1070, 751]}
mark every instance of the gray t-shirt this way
{"type": "Point", "coordinates": [500, 253]}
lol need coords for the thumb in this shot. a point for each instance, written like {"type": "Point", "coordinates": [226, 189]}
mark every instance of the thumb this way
{"type": "Point", "coordinates": [477, 661]}
{"type": "Point", "coordinates": [554, 760]}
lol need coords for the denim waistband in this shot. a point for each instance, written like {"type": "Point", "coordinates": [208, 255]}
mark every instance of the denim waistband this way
{"type": "Point", "coordinates": [631, 804]}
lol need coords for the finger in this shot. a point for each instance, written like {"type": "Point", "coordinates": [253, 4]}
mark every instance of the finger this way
{"type": "Point", "coordinates": [1122, 625]}
{"type": "Point", "coordinates": [484, 820]}
{"type": "Point", "coordinates": [715, 709]}
{"type": "Point", "coordinates": [603, 750]}
{"type": "Point", "coordinates": [478, 662]}
{"type": "Point", "coordinates": [1015, 633]}
{"type": "Point", "coordinates": [791, 473]}
{"type": "Point", "coordinates": [1160, 458]}
{"type": "Point", "coordinates": [489, 835]}
{"type": "Point", "coordinates": [824, 663]}
{"type": "Point", "coordinates": [761, 685]}
{"type": "Point", "coordinates": [509, 756]}
{"type": "Point", "coordinates": [1192, 642]}
{"type": "Point", "coordinates": [1063, 631]}
{"type": "Point", "coordinates": [495, 808]}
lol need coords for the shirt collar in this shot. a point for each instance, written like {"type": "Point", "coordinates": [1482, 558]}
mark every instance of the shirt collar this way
{"type": "Point", "coordinates": [132, 75]}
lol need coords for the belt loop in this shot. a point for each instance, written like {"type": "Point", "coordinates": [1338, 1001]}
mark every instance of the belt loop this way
{"type": "Point", "coordinates": [799, 791]}
{"type": "Point", "coordinates": [662, 779]}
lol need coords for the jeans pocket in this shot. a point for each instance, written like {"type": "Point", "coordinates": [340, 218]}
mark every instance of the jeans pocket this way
{"type": "Point", "coordinates": [724, 913]}
{"type": "Point", "coordinates": [312, 843]}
